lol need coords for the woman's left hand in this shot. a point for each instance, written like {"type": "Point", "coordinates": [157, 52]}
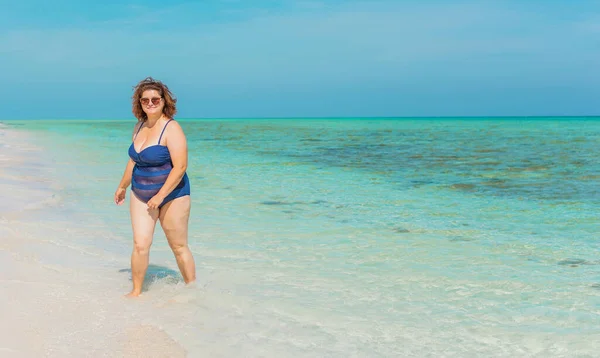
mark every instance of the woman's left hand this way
{"type": "Point", "coordinates": [155, 201]}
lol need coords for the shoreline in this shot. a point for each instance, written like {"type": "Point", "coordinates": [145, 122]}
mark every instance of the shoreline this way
{"type": "Point", "coordinates": [60, 297]}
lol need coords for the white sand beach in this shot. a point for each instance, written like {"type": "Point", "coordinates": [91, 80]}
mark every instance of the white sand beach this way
{"type": "Point", "coordinates": [56, 300]}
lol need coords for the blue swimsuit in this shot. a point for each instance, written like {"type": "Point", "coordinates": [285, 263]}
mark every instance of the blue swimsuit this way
{"type": "Point", "coordinates": [152, 167]}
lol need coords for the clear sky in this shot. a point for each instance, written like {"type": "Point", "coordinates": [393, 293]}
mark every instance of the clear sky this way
{"type": "Point", "coordinates": [261, 58]}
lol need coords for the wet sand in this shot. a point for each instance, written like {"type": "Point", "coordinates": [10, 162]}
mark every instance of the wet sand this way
{"type": "Point", "coordinates": [59, 300]}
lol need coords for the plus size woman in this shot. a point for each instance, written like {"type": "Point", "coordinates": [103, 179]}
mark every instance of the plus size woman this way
{"type": "Point", "coordinates": [160, 187]}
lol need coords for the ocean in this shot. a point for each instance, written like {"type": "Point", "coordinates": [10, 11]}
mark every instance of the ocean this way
{"type": "Point", "coordinates": [339, 237]}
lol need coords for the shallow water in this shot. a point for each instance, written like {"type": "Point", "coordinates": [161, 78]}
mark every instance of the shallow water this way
{"type": "Point", "coordinates": [369, 237]}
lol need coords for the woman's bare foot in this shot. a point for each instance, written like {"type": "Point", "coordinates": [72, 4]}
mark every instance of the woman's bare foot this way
{"type": "Point", "coordinates": [133, 294]}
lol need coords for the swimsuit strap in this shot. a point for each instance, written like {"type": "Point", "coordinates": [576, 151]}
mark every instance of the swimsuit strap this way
{"type": "Point", "coordinates": [136, 133]}
{"type": "Point", "coordinates": [165, 127]}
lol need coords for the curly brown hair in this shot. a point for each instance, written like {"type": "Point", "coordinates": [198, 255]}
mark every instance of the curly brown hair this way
{"type": "Point", "coordinates": [150, 83]}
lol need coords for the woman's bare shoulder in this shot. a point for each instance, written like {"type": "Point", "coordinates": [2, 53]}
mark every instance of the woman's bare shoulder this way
{"type": "Point", "coordinates": [174, 131]}
{"type": "Point", "coordinates": [175, 125]}
{"type": "Point", "coordinates": [136, 128]}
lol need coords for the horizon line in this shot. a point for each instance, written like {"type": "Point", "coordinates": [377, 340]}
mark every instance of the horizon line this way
{"type": "Point", "coordinates": [323, 117]}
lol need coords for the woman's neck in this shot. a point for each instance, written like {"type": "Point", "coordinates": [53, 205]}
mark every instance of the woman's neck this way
{"type": "Point", "coordinates": [152, 120]}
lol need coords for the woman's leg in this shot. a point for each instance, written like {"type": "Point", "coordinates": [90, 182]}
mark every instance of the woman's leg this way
{"type": "Point", "coordinates": [174, 217]}
{"type": "Point", "coordinates": [143, 222]}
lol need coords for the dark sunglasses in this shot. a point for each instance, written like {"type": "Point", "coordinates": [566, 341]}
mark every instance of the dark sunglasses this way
{"type": "Point", "coordinates": [155, 100]}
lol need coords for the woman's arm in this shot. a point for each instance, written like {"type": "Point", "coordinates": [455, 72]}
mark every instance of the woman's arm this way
{"type": "Point", "coordinates": [177, 145]}
{"type": "Point", "coordinates": [126, 178]}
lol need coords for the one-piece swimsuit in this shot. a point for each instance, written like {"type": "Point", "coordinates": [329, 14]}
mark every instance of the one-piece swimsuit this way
{"type": "Point", "coordinates": [152, 167]}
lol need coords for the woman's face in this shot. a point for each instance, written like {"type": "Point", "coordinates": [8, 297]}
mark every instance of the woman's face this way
{"type": "Point", "coordinates": [152, 102]}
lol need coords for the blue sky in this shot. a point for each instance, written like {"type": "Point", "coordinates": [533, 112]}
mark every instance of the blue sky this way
{"type": "Point", "coordinates": [232, 58]}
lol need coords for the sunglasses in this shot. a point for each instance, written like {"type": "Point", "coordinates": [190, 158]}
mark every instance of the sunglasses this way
{"type": "Point", "coordinates": [155, 100]}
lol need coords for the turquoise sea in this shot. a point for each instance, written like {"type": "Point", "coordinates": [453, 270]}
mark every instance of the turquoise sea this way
{"type": "Point", "coordinates": [357, 237]}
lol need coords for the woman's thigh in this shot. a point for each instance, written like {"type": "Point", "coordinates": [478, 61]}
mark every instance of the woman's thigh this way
{"type": "Point", "coordinates": [143, 221]}
{"type": "Point", "coordinates": [174, 217]}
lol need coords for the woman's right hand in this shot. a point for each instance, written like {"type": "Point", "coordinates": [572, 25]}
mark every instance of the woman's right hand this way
{"type": "Point", "coordinates": [120, 196]}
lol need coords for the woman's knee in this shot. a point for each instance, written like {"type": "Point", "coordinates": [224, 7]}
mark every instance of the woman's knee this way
{"type": "Point", "coordinates": [142, 248]}
{"type": "Point", "coordinates": [179, 249]}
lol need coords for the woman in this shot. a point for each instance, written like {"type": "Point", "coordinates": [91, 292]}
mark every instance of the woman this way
{"type": "Point", "coordinates": [159, 183]}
